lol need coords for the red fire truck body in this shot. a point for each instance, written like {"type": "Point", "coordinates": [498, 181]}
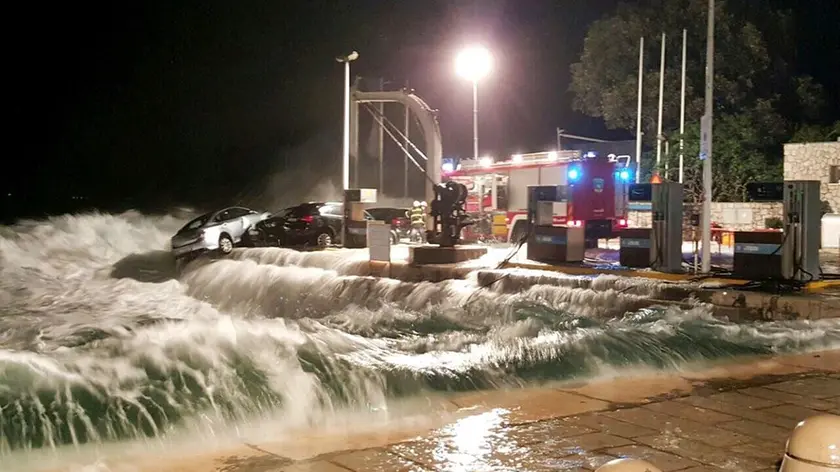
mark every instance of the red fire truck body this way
{"type": "Point", "coordinates": [596, 189]}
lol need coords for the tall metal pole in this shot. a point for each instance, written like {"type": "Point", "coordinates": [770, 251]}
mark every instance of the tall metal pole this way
{"type": "Point", "coordinates": [345, 170]}
{"type": "Point", "coordinates": [475, 119]}
{"type": "Point", "coordinates": [475, 143]}
{"type": "Point", "coordinates": [682, 103]}
{"type": "Point", "coordinates": [639, 109]}
{"type": "Point", "coordinates": [707, 163]}
{"type": "Point", "coordinates": [405, 156]}
{"type": "Point", "coordinates": [661, 96]}
{"type": "Point", "coordinates": [559, 139]}
{"type": "Point", "coordinates": [381, 141]}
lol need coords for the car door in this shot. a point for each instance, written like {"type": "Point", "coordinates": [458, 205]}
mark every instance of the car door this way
{"type": "Point", "coordinates": [236, 223]}
{"type": "Point", "coordinates": [225, 224]}
{"type": "Point", "coordinates": [332, 216]}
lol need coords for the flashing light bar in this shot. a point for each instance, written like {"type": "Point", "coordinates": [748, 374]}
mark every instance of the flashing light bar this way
{"type": "Point", "coordinates": [574, 174]}
{"type": "Point", "coordinates": [624, 175]}
{"type": "Point", "coordinates": [530, 158]}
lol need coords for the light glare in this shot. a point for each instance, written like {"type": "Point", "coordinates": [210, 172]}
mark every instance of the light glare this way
{"type": "Point", "coordinates": [486, 161]}
{"type": "Point", "coordinates": [474, 63]}
{"type": "Point", "coordinates": [517, 158]}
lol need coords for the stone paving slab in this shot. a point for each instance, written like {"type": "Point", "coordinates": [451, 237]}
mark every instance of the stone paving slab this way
{"type": "Point", "coordinates": [714, 421]}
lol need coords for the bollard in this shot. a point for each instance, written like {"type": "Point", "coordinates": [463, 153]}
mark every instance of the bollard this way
{"type": "Point", "coordinates": [628, 465]}
{"type": "Point", "coordinates": [814, 446]}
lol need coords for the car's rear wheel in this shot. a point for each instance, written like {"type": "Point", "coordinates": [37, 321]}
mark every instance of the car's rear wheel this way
{"type": "Point", "coordinates": [225, 244]}
{"type": "Point", "coordinates": [323, 239]}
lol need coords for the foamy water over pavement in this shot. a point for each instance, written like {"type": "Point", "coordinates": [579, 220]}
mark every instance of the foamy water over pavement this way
{"type": "Point", "coordinates": [102, 343]}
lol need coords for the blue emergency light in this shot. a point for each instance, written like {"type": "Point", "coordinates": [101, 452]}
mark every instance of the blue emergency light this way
{"type": "Point", "coordinates": [574, 174]}
{"type": "Point", "coordinates": [624, 175]}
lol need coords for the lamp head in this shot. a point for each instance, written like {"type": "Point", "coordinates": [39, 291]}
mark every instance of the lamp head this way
{"type": "Point", "coordinates": [474, 63]}
{"type": "Point", "coordinates": [348, 58]}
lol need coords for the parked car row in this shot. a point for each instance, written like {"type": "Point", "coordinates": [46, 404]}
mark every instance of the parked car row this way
{"type": "Point", "coordinates": [315, 224]}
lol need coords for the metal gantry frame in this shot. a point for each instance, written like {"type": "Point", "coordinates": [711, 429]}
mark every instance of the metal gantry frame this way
{"type": "Point", "coordinates": [426, 117]}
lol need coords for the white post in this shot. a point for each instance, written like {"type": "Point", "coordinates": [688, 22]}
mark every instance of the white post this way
{"type": "Point", "coordinates": [407, 129]}
{"type": "Point", "coordinates": [661, 96]}
{"type": "Point", "coordinates": [475, 119]}
{"type": "Point", "coordinates": [707, 163]}
{"type": "Point", "coordinates": [638, 110]}
{"type": "Point", "coordinates": [475, 141]}
{"type": "Point", "coordinates": [682, 103]}
{"type": "Point", "coordinates": [381, 140]}
{"type": "Point", "coordinates": [345, 170]}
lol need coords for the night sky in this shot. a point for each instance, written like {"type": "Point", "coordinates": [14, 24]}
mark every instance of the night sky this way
{"type": "Point", "coordinates": [166, 101]}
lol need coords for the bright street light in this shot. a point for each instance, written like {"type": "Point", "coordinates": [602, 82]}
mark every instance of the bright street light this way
{"type": "Point", "coordinates": [474, 63]}
{"type": "Point", "coordinates": [345, 170]}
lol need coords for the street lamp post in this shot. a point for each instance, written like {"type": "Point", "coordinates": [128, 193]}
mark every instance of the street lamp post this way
{"type": "Point", "coordinates": [473, 64]}
{"type": "Point", "coordinates": [345, 168]}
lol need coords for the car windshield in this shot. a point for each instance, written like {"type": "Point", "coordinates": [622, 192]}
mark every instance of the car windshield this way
{"type": "Point", "coordinates": [196, 223]}
{"type": "Point", "coordinates": [296, 211]}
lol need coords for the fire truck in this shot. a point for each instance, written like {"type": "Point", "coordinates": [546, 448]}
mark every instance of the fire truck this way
{"type": "Point", "coordinates": [498, 192]}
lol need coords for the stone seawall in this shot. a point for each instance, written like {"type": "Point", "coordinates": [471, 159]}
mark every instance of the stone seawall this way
{"type": "Point", "coordinates": [736, 216]}
{"type": "Point", "coordinates": [816, 161]}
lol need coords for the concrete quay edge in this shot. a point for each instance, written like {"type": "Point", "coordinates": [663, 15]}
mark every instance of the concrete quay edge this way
{"type": "Point", "coordinates": [736, 305]}
{"type": "Point", "coordinates": [732, 415]}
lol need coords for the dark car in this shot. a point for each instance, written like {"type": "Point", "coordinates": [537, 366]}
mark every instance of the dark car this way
{"type": "Point", "coordinates": [396, 217]}
{"type": "Point", "coordinates": [308, 224]}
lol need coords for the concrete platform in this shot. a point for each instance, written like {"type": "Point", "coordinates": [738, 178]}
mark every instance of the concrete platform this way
{"type": "Point", "coordinates": [735, 416]}
{"type": "Point", "coordinates": [434, 255]}
{"type": "Point", "coordinates": [820, 299]}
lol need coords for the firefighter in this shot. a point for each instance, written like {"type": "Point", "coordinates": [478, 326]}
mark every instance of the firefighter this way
{"type": "Point", "coordinates": [417, 215]}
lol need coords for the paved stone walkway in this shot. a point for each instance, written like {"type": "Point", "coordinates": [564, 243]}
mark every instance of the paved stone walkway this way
{"type": "Point", "coordinates": [734, 417]}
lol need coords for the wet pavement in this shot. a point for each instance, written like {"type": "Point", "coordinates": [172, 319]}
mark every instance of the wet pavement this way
{"type": "Point", "coordinates": [734, 416]}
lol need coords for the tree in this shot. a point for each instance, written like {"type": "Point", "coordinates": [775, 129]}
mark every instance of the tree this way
{"type": "Point", "coordinates": [738, 160]}
{"type": "Point", "coordinates": [811, 133]}
{"type": "Point", "coordinates": [756, 95]}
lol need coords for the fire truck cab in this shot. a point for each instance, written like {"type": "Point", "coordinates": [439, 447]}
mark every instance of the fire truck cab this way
{"type": "Point", "coordinates": [498, 192]}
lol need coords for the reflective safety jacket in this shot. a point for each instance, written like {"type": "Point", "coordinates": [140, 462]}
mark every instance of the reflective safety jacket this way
{"type": "Point", "coordinates": [417, 215]}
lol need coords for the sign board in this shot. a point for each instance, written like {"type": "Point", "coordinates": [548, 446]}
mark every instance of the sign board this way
{"type": "Point", "coordinates": [640, 206]}
{"type": "Point", "coordinates": [705, 137]}
{"type": "Point", "coordinates": [379, 241]}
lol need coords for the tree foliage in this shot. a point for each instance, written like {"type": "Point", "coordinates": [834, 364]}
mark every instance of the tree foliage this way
{"type": "Point", "coordinates": [810, 133]}
{"type": "Point", "coordinates": [757, 99]}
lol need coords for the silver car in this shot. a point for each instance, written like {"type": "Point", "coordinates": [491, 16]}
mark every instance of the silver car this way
{"type": "Point", "coordinates": [220, 230]}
